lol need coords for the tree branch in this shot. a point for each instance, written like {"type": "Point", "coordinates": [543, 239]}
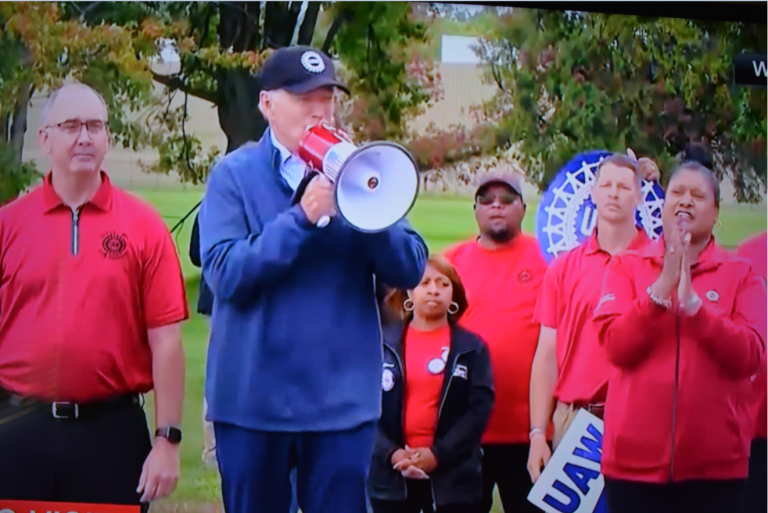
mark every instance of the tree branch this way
{"type": "Point", "coordinates": [174, 83]}
{"type": "Point", "coordinates": [341, 17]}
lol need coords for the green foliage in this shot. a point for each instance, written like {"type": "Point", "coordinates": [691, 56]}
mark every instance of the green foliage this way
{"type": "Point", "coordinates": [111, 47]}
{"type": "Point", "coordinates": [380, 48]}
{"type": "Point", "coordinates": [14, 177]}
{"type": "Point", "coordinates": [41, 49]}
{"type": "Point", "coordinates": [595, 81]}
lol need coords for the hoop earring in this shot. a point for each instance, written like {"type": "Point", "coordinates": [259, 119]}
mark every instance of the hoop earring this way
{"type": "Point", "coordinates": [453, 308]}
{"type": "Point", "coordinates": [408, 305]}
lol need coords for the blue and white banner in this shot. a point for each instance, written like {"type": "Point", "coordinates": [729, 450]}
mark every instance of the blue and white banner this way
{"type": "Point", "coordinates": [571, 482]}
{"type": "Point", "coordinates": [567, 215]}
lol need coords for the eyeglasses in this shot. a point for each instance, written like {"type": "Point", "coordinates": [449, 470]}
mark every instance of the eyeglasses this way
{"type": "Point", "coordinates": [506, 198]}
{"type": "Point", "coordinates": [73, 126]}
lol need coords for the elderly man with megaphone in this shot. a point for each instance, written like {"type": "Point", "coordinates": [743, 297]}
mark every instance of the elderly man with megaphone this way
{"type": "Point", "coordinates": [295, 353]}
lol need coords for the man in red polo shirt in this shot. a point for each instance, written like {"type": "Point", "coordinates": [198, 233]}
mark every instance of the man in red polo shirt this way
{"type": "Point", "coordinates": [91, 301]}
{"type": "Point", "coordinates": [570, 369]}
{"type": "Point", "coordinates": [756, 495]}
{"type": "Point", "coordinates": [502, 270]}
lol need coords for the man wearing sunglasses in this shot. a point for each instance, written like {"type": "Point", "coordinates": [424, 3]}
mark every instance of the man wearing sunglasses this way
{"type": "Point", "coordinates": [91, 304]}
{"type": "Point", "coordinates": [502, 270]}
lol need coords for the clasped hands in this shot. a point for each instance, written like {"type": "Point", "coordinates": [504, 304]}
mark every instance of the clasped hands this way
{"type": "Point", "coordinates": [414, 463]}
{"type": "Point", "coordinates": [677, 270]}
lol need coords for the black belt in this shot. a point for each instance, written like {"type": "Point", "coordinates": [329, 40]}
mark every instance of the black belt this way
{"type": "Point", "coordinates": [69, 410]}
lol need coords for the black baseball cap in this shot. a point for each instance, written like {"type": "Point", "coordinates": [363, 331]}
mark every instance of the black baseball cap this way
{"type": "Point", "coordinates": [299, 70]}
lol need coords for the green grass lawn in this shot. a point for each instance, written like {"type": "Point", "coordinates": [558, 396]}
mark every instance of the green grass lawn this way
{"type": "Point", "coordinates": [442, 220]}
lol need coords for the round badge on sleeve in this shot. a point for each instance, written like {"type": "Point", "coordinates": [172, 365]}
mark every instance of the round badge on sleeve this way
{"type": "Point", "coordinates": [387, 380]}
{"type": "Point", "coordinates": [567, 215]}
{"type": "Point", "coordinates": [312, 62]}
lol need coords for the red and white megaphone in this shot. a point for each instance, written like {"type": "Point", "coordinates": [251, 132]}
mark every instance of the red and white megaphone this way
{"type": "Point", "coordinates": [376, 184]}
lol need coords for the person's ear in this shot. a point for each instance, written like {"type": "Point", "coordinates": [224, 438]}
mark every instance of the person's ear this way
{"type": "Point", "coordinates": [43, 141]}
{"type": "Point", "coordinates": [265, 104]}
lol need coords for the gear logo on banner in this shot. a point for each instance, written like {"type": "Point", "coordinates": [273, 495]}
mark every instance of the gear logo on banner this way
{"type": "Point", "coordinates": [567, 216]}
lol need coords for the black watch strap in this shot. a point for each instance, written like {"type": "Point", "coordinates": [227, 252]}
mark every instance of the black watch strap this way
{"type": "Point", "coordinates": [171, 434]}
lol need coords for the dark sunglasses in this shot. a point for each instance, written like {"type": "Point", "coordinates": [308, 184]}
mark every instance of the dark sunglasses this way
{"type": "Point", "coordinates": [506, 198]}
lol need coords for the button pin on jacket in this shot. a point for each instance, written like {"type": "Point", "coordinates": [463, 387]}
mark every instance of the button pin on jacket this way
{"type": "Point", "coordinates": [387, 380]}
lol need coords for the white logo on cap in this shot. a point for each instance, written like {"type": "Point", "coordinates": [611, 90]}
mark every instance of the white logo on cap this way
{"type": "Point", "coordinates": [312, 62]}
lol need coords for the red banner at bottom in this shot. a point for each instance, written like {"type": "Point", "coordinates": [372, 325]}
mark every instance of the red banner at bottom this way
{"type": "Point", "coordinates": [62, 507]}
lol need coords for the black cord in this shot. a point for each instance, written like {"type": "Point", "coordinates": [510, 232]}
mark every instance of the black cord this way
{"type": "Point", "coordinates": [181, 221]}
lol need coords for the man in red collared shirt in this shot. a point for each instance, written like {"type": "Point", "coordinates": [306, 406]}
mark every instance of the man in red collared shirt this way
{"type": "Point", "coordinates": [570, 369]}
{"type": "Point", "coordinates": [91, 300]}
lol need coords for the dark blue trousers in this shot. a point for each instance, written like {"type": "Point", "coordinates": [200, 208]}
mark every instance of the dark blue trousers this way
{"type": "Point", "coordinates": [255, 469]}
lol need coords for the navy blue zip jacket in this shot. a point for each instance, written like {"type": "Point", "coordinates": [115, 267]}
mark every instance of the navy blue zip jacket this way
{"type": "Point", "coordinates": [465, 407]}
{"type": "Point", "coordinates": [296, 334]}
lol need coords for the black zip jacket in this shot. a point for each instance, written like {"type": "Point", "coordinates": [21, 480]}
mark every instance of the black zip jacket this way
{"type": "Point", "coordinates": [465, 406]}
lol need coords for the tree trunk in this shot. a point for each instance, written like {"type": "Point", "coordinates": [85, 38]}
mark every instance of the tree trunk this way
{"type": "Point", "coordinates": [5, 122]}
{"type": "Point", "coordinates": [19, 127]}
{"type": "Point", "coordinates": [239, 115]}
{"type": "Point", "coordinates": [307, 29]}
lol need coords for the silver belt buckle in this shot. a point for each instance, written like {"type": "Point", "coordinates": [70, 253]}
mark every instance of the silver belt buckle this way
{"type": "Point", "coordinates": [55, 410]}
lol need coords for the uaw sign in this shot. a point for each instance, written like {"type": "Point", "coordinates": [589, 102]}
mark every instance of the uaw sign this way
{"type": "Point", "coordinates": [571, 482]}
{"type": "Point", "coordinates": [62, 507]}
{"type": "Point", "coordinates": [567, 215]}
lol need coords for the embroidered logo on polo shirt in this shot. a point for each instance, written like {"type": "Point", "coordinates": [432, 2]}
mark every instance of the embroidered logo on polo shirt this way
{"type": "Point", "coordinates": [524, 276]}
{"type": "Point", "coordinates": [713, 296]}
{"type": "Point", "coordinates": [113, 245]}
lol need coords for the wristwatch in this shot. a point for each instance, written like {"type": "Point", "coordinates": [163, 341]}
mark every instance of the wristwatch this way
{"type": "Point", "coordinates": [171, 434]}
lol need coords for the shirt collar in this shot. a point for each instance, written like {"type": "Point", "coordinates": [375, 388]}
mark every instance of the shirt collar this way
{"type": "Point", "coordinates": [284, 153]}
{"type": "Point", "coordinates": [640, 239]}
{"type": "Point", "coordinates": [100, 200]}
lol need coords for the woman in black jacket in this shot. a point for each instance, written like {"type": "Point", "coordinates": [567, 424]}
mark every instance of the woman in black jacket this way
{"type": "Point", "coordinates": [437, 395]}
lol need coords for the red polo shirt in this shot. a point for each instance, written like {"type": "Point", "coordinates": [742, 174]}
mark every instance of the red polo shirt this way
{"type": "Point", "coordinates": [78, 291]}
{"type": "Point", "coordinates": [502, 287]}
{"type": "Point", "coordinates": [754, 250]}
{"type": "Point", "coordinates": [569, 295]}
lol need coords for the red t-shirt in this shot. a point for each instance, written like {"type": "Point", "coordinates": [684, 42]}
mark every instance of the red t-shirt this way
{"type": "Point", "coordinates": [567, 302]}
{"type": "Point", "coordinates": [754, 250]}
{"type": "Point", "coordinates": [502, 289]}
{"type": "Point", "coordinates": [425, 356]}
{"type": "Point", "coordinates": [78, 293]}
